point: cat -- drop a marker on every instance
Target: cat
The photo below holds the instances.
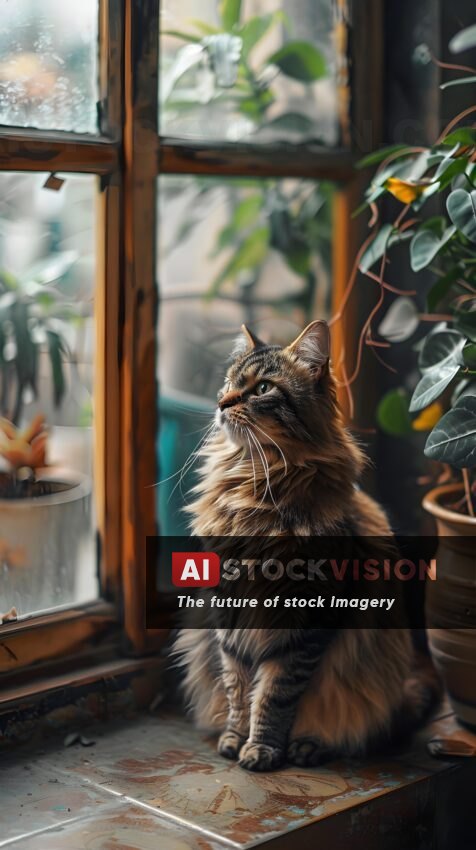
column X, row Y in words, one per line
column 281, row 463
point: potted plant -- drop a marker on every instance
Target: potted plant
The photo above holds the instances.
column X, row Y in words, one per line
column 444, row 398
column 44, row 515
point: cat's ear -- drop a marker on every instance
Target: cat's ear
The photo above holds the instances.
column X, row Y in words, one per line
column 246, row 342
column 313, row 346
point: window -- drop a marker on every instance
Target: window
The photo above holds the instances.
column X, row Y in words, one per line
column 140, row 197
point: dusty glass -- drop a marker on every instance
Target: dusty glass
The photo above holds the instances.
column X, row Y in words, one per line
column 255, row 70
column 230, row 251
column 48, row 64
column 47, row 275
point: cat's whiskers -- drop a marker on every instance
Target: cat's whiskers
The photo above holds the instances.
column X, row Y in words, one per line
column 252, row 463
column 191, row 460
column 264, row 461
column 268, row 437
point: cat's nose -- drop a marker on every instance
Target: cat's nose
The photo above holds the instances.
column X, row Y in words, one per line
column 229, row 400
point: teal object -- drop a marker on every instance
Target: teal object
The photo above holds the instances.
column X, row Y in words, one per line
column 183, row 420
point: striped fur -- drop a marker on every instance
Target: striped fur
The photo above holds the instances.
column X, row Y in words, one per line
column 282, row 463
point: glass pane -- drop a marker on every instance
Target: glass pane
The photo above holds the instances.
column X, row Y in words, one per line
column 48, row 64
column 255, row 70
column 234, row 251
column 47, row 273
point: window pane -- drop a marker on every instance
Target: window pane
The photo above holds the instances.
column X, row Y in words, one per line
column 234, row 251
column 48, row 64
column 256, row 71
column 47, row 273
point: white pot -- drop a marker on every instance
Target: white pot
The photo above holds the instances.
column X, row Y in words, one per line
column 42, row 544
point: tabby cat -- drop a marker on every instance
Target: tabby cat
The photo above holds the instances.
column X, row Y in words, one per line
column 282, row 463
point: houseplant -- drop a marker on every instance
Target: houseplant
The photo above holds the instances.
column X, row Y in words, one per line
column 229, row 73
column 33, row 317
column 444, row 399
column 44, row 515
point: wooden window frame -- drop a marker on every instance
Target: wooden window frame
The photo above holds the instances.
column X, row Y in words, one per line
column 127, row 158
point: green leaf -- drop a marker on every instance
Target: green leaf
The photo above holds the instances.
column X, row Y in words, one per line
column 425, row 245
column 401, row 320
column 432, row 384
column 294, row 122
column 465, row 318
column 230, row 12
column 298, row 257
column 463, row 40
column 461, row 81
column 463, row 135
column 441, row 348
column 392, row 414
column 184, row 36
column 450, row 168
column 253, row 31
column 299, row 60
column 249, row 256
column 441, row 288
column 453, row 439
column 55, row 351
column 376, row 249
column 461, row 206
column 469, row 355
column 247, row 211
column 380, row 155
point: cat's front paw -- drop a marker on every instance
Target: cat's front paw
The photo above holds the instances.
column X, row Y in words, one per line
column 307, row 752
column 230, row 744
column 260, row 756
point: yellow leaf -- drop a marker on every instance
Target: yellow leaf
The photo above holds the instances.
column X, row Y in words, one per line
column 405, row 191
column 428, row 417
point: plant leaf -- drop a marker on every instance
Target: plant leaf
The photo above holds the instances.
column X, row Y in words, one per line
column 453, row 439
column 463, row 40
column 441, row 348
column 461, row 206
column 392, row 414
column 469, row 355
column 401, row 320
column 253, row 31
column 248, row 256
column 427, row 419
column 376, row 249
column 432, row 384
column 230, row 12
column 379, row 156
column 406, row 191
column 184, row 36
column 55, row 351
column 463, row 135
column 425, row 245
column 441, row 288
column 461, row 81
column 300, row 61
column 247, row 211
column 295, row 122
column 465, row 318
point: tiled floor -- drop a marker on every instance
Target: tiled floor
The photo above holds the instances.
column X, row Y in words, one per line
column 155, row 783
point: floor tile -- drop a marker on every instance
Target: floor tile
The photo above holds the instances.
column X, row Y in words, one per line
column 116, row 827
column 34, row 797
column 177, row 773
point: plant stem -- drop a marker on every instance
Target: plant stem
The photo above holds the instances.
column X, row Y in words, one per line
column 467, row 492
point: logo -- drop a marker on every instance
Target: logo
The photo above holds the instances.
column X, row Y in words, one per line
column 195, row 569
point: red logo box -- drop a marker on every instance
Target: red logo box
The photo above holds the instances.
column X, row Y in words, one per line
column 195, row 569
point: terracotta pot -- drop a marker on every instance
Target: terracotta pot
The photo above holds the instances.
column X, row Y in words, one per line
column 451, row 602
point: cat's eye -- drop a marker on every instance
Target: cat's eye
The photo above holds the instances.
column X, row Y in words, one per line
column 263, row 387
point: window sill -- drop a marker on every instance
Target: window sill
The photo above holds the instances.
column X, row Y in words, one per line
column 155, row 781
